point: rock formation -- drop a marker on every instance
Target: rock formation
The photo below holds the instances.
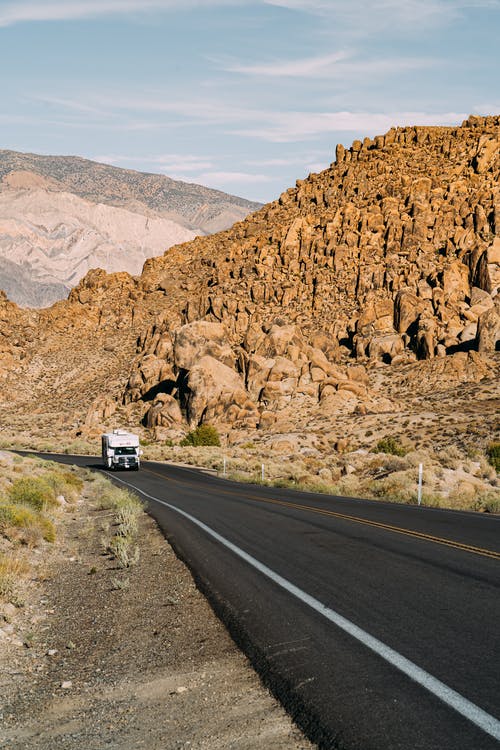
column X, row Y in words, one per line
column 387, row 259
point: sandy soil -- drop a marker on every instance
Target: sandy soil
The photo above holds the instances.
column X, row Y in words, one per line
column 102, row 657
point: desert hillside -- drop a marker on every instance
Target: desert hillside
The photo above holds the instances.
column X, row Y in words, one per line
column 61, row 216
column 362, row 302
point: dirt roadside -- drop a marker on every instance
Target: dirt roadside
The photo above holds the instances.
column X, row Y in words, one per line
column 103, row 657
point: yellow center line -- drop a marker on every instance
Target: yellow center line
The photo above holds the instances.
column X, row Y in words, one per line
column 387, row 527
column 377, row 524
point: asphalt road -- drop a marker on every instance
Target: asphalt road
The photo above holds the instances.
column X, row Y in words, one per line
column 377, row 625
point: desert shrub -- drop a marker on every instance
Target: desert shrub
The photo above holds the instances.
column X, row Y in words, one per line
column 450, row 458
column 12, row 569
column 205, row 434
column 25, row 523
column 126, row 509
column 395, row 488
column 493, row 453
column 390, row 445
column 64, row 483
column 32, row 491
column 126, row 517
column 123, row 550
column 488, row 502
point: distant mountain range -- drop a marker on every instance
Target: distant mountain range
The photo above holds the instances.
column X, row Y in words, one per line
column 62, row 215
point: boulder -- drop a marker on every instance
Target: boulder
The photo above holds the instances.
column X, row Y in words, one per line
column 198, row 339
column 212, row 390
column 164, row 412
column 488, row 329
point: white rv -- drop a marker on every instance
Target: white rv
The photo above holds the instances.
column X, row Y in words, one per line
column 120, row 450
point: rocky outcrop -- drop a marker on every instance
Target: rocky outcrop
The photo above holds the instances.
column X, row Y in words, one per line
column 389, row 256
column 273, row 369
column 387, row 261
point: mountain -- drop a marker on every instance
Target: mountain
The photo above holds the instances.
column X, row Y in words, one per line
column 363, row 296
column 62, row 215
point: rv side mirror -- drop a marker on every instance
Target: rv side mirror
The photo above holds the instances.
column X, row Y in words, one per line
column 109, row 453
column 140, row 451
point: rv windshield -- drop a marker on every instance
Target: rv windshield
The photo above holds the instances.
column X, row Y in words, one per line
column 124, row 451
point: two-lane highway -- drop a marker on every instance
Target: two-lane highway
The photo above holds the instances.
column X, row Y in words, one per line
column 377, row 625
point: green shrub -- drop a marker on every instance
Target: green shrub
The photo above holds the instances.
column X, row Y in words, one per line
column 64, row 483
column 20, row 518
column 205, row 434
column 390, row 445
column 34, row 492
column 488, row 502
column 493, row 453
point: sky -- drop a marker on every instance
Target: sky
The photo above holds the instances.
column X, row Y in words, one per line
column 245, row 96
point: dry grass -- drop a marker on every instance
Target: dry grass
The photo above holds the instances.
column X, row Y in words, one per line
column 452, row 478
column 33, row 496
column 13, row 568
column 119, row 536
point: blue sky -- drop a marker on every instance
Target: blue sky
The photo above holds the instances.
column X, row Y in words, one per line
column 241, row 95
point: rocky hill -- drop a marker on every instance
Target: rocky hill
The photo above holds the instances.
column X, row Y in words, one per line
column 62, row 215
column 365, row 292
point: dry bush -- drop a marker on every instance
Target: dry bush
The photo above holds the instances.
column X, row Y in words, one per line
column 64, row 482
column 24, row 524
column 120, row 536
column 451, row 458
column 488, row 501
column 34, row 492
column 12, row 570
column 124, row 551
column 397, row 487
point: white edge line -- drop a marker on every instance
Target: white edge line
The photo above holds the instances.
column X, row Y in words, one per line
column 461, row 705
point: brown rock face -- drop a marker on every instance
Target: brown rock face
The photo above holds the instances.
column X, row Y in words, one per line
column 390, row 256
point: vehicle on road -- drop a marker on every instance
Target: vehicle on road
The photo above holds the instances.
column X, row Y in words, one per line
column 120, row 450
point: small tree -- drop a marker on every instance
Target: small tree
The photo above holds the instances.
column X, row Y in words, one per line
column 493, row 453
column 390, row 445
column 205, row 434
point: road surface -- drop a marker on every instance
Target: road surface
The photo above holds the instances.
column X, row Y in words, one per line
column 377, row 625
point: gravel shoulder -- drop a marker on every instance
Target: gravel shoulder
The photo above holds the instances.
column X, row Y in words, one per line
column 106, row 657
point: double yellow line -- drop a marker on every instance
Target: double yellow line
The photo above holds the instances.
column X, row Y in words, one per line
column 385, row 526
column 377, row 524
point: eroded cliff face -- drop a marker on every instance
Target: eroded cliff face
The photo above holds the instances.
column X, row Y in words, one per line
column 389, row 258
column 392, row 255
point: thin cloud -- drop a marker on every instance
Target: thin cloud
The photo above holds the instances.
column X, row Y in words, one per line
column 168, row 163
column 302, row 126
column 275, row 126
column 340, row 65
column 211, row 178
column 311, row 66
column 389, row 11
column 71, row 10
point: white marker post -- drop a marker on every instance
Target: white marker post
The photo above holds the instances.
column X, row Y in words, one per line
column 262, row 472
column 420, row 477
column 224, row 467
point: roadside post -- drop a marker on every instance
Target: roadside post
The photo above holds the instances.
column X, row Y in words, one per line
column 420, row 477
column 224, row 467
column 263, row 472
